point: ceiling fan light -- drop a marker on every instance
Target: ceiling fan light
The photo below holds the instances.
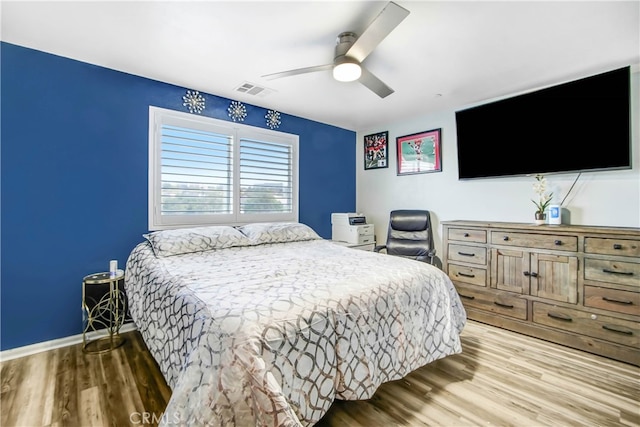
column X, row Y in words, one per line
column 347, row 72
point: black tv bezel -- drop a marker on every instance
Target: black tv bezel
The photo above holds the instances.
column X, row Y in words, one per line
column 547, row 171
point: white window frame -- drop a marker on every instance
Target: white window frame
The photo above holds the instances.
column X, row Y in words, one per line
column 160, row 116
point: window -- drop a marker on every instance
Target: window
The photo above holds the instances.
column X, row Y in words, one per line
column 209, row 171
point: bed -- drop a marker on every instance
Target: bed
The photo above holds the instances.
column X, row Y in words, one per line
column 268, row 324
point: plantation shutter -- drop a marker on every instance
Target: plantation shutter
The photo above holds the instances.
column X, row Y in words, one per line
column 196, row 172
column 205, row 171
column 266, row 177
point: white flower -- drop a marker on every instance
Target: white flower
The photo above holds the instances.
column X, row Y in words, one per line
column 540, row 185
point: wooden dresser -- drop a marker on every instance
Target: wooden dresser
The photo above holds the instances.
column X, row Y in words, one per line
column 574, row 285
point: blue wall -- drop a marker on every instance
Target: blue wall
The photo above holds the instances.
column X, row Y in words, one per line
column 74, row 180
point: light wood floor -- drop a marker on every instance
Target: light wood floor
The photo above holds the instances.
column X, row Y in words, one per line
column 500, row 379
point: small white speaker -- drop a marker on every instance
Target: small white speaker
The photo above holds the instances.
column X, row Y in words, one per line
column 555, row 214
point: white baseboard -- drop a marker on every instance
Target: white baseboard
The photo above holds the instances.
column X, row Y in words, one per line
column 40, row 347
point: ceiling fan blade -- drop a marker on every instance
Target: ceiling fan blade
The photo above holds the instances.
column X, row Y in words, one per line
column 375, row 84
column 380, row 27
column 298, row 71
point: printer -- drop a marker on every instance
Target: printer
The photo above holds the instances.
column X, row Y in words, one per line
column 351, row 228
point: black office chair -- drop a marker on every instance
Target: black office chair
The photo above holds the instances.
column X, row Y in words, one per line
column 410, row 235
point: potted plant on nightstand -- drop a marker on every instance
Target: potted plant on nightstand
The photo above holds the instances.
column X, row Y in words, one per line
column 544, row 199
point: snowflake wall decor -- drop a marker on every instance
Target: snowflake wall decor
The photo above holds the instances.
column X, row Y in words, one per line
column 193, row 101
column 273, row 119
column 237, row 111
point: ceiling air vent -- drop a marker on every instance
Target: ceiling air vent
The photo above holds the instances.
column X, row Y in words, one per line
column 252, row 89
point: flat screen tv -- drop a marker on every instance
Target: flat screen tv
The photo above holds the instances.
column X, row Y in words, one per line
column 583, row 125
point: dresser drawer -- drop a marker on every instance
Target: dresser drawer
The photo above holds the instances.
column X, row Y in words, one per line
column 582, row 322
column 468, row 235
column 471, row 254
column 504, row 303
column 615, row 272
column 535, row 241
column 472, row 275
column 626, row 302
column 622, row 247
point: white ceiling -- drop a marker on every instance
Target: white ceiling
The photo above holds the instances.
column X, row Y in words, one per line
column 445, row 54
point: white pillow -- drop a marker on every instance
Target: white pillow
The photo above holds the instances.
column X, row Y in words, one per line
column 196, row 239
column 278, row 232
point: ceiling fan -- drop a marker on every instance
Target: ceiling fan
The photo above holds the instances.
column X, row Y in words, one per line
column 351, row 50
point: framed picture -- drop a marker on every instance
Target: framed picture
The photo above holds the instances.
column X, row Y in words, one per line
column 376, row 150
column 419, row 152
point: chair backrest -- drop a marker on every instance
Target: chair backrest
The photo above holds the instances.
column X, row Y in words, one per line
column 410, row 235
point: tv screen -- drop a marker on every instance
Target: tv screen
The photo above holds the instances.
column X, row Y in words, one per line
column 577, row 126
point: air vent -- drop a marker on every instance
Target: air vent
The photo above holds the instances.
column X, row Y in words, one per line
column 252, row 89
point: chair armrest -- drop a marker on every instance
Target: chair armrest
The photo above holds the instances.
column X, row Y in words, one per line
column 379, row 248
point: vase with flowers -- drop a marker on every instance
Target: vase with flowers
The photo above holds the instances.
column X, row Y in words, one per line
column 544, row 199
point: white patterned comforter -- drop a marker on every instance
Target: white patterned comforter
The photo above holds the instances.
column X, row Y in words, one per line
column 272, row 334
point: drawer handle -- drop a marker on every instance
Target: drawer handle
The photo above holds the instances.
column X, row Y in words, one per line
column 617, row 246
column 466, row 254
column 532, row 274
column 467, row 296
column 558, row 242
column 560, row 316
column 618, row 301
column 466, row 275
column 505, row 238
column 616, row 329
column 500, row 304
column 625, row 273
column 466, row 234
